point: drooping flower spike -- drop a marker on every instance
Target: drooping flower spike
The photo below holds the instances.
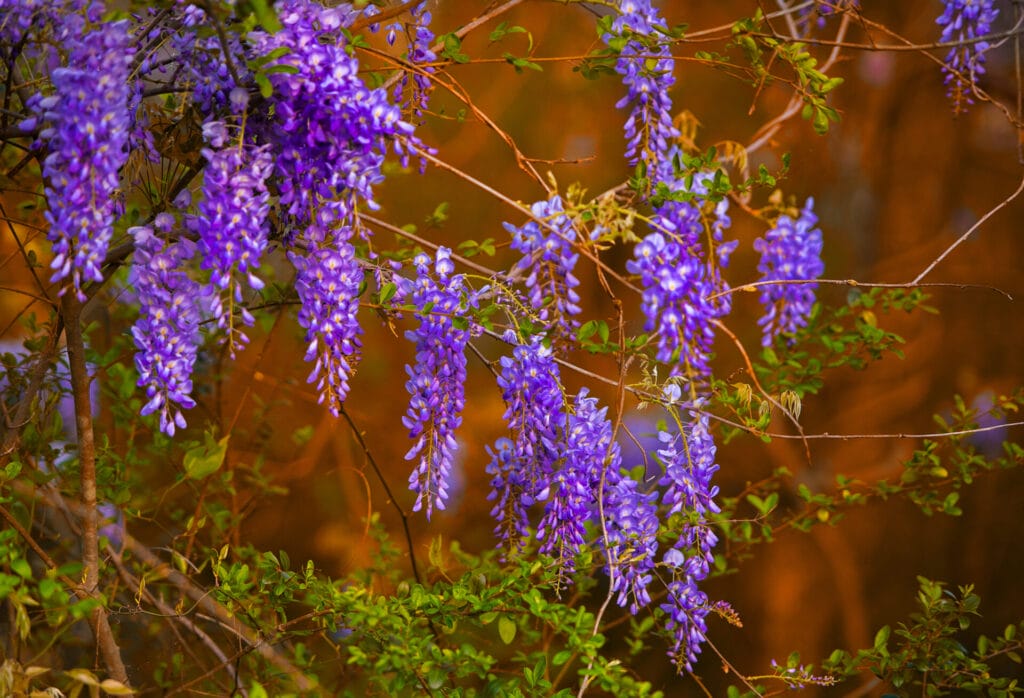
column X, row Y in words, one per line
column 965, row 22
column 790, row 251
column 437, row 379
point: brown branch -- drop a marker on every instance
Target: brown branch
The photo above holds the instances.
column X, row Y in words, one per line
column 105, row 641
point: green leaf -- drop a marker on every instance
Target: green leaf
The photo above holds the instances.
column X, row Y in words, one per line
column 206, row 459
column 265, row 15
column 263, row 82
column 507, row 629
column 882, row 637
column 387, row 292
column 21, row 568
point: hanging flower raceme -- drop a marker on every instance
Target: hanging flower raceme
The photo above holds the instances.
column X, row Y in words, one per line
column 201, row 56
column 549, row 259
column 329, row 130
column 421, row 55
column 677, row 287
column 87, row 137
column 689, row 462
column 531, row 387
column 562, row 529
column 327, row 281
column 437, row 379
column 232, row 223
column 167, row 331
column 646, row 66
column 965, row 22
column 790, row 251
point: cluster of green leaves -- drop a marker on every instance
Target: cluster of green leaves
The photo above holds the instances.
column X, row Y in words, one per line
column 763, row 51
column 925, row 657
column 932, row 478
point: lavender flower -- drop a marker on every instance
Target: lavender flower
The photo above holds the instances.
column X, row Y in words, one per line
column 631, row 521
column 420, row 53
column 531, row 387
column 437, row 379
column 549, row 258
column 232, row 223
column 675, row 301
column 965, row 21
column 328, row 283
column 789, row 251
column 18, row 16
column 200, row 54
column 167, row 331
column 87, row 136
column 646, row 66
column 689, row 462
column 330, row 130
column 512, row 492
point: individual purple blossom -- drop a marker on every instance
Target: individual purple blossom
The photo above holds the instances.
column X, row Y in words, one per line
column 437, row 378
column 689, row 465
column 791, row 251
column 232, row 223
column 646, row 66
column 965, row 22
column 549, row 259
column 87, row 136
column 167, row 331
column 677, row 286
column 327, row 281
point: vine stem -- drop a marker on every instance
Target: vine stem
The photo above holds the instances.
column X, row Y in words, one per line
column 970, row 231
column 105, row 641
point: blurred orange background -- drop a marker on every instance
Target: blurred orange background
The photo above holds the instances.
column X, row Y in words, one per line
column 895, row 184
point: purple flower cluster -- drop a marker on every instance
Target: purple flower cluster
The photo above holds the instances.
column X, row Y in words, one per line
column 689, row 461
column 437, row 379
column 327, row 282
column 87, row 134
column 965, row 21
column 548, row 256
column 19, row 15
column 330, row 131
column 232, row 222
column 200, row 54
column 419, row 53
column 522, row 469
column 631, row 522
column 646, row 66
column 167, row 331
column 588, row 444
column 790, row 251
column 675, row 301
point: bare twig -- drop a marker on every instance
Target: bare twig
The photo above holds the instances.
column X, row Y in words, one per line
column 970, row 231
